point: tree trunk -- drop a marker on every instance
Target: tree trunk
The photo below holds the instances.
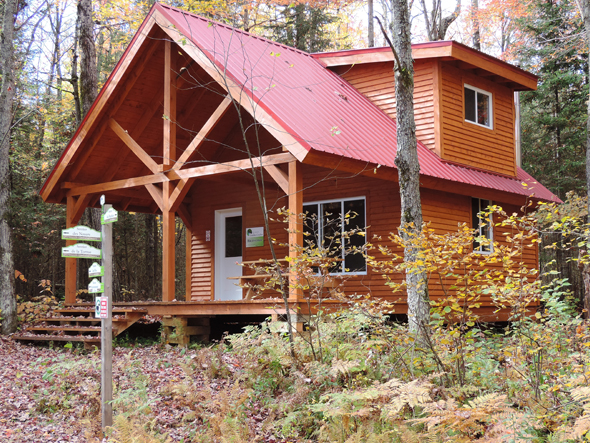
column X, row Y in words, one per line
column 7, row 296
column 586, row 15
column 371, row 27
column 408, row 167
column 475, row 22
column 88, row 74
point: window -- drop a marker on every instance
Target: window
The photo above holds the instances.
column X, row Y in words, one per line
column 478, row 106
column 338, row 227
column 482, row 225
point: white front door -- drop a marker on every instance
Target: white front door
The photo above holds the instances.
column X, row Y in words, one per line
column 228, row 253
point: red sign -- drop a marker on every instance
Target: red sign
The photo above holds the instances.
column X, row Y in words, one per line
column 104, row 307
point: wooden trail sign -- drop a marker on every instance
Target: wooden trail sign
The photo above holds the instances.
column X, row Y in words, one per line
column 80, row 233
column 81, row 250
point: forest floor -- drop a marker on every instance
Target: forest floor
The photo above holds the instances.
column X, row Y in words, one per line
column 51, row 394
column 358, row 377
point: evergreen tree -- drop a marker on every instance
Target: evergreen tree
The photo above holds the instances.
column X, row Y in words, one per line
column 554, row 117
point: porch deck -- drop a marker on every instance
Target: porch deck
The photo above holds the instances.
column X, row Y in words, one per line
column 211, row 308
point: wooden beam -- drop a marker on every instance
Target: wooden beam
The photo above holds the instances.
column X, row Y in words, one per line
column 177, row 196
column 204, row 132
column 80, row 207
column 169, row 116
column 132, row 144
column 279, row 176
column 168, row 246
column 221, row 168
column 156, row 194
column 237, row 91
column 185, row 216
column 125, row 203
column 71, row 263
column 99, row 104
column 113, row 108
column 295, row 225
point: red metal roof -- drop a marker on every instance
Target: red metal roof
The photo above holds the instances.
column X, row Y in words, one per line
column 320, row 109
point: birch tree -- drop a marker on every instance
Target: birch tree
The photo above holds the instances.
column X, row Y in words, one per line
column 7, row 296
column 408, row 167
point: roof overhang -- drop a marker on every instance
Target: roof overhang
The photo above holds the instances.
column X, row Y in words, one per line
column 444, row 50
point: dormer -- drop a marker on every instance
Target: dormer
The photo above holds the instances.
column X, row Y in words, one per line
column 463, row 99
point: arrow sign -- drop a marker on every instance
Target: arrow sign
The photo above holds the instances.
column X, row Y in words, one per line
column 95, row 270
column 95, row 287
column 81, row 250
column 110, row 216
column 80, row 233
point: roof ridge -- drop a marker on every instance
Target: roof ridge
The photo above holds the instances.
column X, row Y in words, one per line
column 234, row 29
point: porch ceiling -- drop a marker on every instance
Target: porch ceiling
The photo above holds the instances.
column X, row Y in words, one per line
column 134, row 113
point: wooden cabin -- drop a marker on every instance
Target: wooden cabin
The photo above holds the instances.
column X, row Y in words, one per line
column 195, row 109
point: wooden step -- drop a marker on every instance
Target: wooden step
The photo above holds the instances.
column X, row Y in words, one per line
column 88, row 341
column 79, row 329
column 86, row 311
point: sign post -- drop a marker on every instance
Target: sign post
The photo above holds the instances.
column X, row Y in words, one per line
column 106, row 328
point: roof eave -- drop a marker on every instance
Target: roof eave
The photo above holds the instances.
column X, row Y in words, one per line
column 440, row 49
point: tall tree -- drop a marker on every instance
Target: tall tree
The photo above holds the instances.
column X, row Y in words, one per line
column 408, row 167
column 88, row 73
column 436, row 24
column 554, row 117
column 7, row 295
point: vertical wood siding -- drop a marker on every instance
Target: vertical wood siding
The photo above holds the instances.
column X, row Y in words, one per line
column 375, row 81
column 468, row 143
column 443, row 210
column 458, row 141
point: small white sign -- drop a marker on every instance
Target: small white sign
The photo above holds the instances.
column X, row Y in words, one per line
column 95, row 270
column 110, row 216
column 81, row 250
column 254, row 237
column 95, row 287
column 104, row 307
column 102, row 200
column 80, row 233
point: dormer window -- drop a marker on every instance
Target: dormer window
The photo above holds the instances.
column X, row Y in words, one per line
column 478, row 106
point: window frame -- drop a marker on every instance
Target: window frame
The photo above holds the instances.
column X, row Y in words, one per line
column 490, row 105
column 477, row 247
column 320, row 227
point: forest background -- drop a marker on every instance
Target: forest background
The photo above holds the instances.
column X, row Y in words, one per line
column 544, row 37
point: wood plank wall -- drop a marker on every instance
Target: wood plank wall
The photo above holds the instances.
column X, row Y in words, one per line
column 470, row 144
column 459, row 141
column 375, row 81
column 443, row 210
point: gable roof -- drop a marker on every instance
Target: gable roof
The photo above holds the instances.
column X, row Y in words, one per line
column 304, row 105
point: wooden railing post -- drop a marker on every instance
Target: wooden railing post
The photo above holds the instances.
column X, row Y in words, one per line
column 295, row 225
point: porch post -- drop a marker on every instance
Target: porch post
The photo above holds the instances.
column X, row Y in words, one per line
column 169, row 154
column 188, row 263
column 295, row 225
column 71, row 263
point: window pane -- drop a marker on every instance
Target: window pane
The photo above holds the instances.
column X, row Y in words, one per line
column 483, row 109
column 355, row 222
column 469, row 104
column 332, row 232
column 310, row 226
column 233, row 236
